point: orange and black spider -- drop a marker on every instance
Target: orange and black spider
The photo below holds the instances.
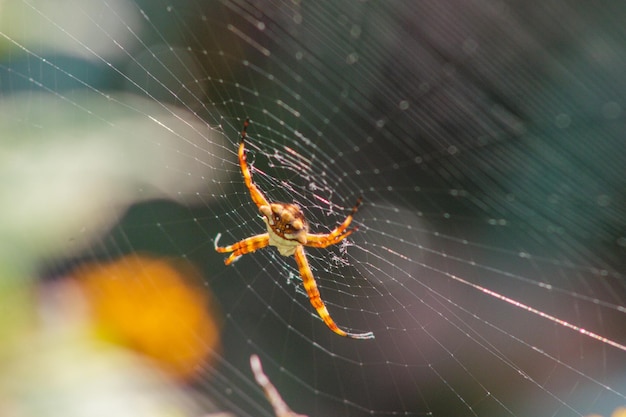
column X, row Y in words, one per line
column 288, row 231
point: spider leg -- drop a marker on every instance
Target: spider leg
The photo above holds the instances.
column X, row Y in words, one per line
column 242, row 247
column 256, row 194
column 316, row 300
column 319, row 240
column 324, row 240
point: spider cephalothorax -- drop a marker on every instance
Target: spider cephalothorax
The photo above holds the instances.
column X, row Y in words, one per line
column 288, row 231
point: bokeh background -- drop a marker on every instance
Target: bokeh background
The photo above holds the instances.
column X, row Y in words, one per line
column 486, row 137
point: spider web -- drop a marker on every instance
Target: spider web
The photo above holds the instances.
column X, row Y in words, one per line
column 486, row 139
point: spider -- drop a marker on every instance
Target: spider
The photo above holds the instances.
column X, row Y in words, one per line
column 288, row 231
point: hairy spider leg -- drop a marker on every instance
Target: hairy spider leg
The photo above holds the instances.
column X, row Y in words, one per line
column 243, row 246
column 322, row 240
column 316, row 300
column 256, row 194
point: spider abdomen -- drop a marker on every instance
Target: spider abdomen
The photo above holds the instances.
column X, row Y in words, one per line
column 286, row 226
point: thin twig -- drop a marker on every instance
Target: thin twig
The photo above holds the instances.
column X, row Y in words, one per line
column 281, row 409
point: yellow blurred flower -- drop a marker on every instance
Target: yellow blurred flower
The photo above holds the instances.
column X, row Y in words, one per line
column 155, row 307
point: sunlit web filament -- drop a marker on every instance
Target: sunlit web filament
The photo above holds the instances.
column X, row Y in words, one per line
column 541, row 314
